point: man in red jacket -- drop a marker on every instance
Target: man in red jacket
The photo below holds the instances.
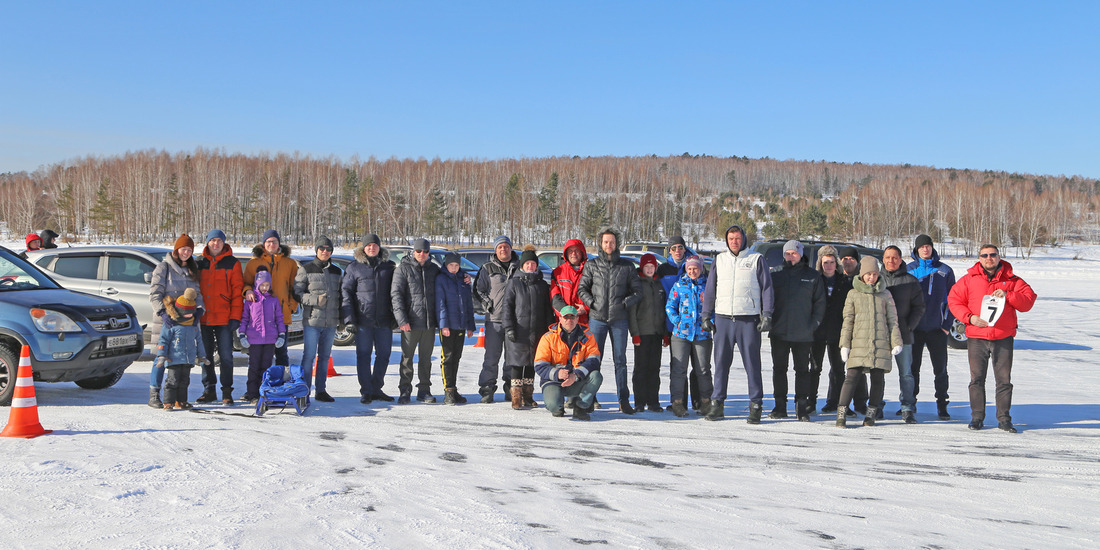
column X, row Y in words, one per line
column 221, row 281
column 987, row 299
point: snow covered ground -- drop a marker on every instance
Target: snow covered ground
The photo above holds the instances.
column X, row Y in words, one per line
column 117, row 474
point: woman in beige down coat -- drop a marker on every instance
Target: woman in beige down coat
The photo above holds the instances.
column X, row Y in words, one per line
column 869, row 338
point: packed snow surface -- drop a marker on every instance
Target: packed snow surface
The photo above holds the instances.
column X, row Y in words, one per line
column 117, row 474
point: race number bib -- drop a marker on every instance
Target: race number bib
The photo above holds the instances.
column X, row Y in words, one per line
column 992, row 308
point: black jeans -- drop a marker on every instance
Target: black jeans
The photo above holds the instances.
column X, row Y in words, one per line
column 936, row 342
column 803, row 378
column 836, row 376
column 221, row 338
column 878, row 386
column 980, row 352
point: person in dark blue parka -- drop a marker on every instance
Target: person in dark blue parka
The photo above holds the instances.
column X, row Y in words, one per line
column 455, row 305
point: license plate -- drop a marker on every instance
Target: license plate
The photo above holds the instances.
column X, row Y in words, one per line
column 121, row 341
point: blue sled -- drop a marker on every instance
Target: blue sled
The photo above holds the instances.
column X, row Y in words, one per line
column 278, row 390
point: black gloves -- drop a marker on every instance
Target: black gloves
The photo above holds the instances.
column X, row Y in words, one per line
column 765, row 323
column 708, row 325
column 512, row 336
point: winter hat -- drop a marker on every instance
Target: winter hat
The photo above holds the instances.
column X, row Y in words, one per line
column 183, row 241
column 31, row 237
column 503, row 239
column 846, row 251
column 528, row 256
column 322, row 241
column 215, row 234
column 371, row 238
column 269, row 234
column 262, row 276
column 793, row 245
column 567, row 310
column 676, row 240
column 648, row 259
column 421, row 244
column 868, row 265
column 923, row 240
column 694, row 261
column 186, row 302
column 451, row 258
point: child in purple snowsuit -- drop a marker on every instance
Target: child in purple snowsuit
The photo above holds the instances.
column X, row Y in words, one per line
column 262, row 330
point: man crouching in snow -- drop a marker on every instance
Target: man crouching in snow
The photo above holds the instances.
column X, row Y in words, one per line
column 568, row 362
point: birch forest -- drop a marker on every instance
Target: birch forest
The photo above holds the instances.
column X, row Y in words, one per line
column 153, row 196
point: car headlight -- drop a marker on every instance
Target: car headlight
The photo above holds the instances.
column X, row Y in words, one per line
column 48, row 320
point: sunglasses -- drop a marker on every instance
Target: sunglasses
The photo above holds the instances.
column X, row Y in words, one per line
column 568, row 316
column 989, row 255
column 324, row 249
column 421, row 251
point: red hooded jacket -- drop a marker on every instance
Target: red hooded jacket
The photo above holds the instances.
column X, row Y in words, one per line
column 565, row 280
column 221, row 282
column 966, row 296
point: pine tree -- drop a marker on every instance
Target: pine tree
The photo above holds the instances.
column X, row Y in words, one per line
column 351, row 215
column 105, row 211
column 438, row 217
column 595, row 219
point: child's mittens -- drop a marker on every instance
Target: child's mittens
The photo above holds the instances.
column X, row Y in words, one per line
column 281, row 341
column 160, row 362
column 244, row 340
column 202, row 361
column 844, row 354
column 896, row 350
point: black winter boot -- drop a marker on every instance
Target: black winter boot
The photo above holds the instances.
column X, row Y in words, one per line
column 624, row 406
column 679, row 409
column 908, row 417
column 487, row 393
column 941, row 408
column 570, row 402
column 755, row 410
column 449, row 396
column 154, row 398
column 717, row 409
column 872, row 414
column 208, row 396
column 780, row 410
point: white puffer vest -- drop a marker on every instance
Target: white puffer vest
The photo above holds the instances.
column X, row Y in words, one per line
column 737, row 289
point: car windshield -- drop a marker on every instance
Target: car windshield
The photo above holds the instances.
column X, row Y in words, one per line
column 17, row 274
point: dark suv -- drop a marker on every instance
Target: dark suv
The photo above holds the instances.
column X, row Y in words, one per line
column 73, row 336
column 773, row 250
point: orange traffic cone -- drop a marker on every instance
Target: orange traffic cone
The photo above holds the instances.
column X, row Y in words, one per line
column 331, row 371
column 23, row 420
column 480, row 338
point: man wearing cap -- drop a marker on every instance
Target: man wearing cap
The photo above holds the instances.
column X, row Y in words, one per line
column 275, row 256
column 737, row 307
column 413, row 297
column 489, row 286
column 799, row 310
column 610, row 285
column 568, row 363
column 317, row 288
column 936, row 280
column 367, row 307
column 669, row 273
column 221, row 282
column 990, row 334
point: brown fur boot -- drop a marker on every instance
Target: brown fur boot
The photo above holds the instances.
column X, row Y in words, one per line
column 517, row 394
column 529, row 393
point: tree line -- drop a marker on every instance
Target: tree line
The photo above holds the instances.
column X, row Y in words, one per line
column 151, row 196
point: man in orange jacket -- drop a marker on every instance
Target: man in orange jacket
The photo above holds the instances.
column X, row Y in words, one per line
column 222, row 283
column 568, row 362
column 988, row 286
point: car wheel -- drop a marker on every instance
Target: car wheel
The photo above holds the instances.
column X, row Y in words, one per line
column 101, row 382
column 956, row 337
column 344, row 337
column 9, row 368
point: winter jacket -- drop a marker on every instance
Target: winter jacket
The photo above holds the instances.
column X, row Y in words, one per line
column 180, row 344
column 565, row 281
column 799, row 302
column 836, row 293
column 908, row 299
column 317, row 288
column 454, row 301
column 490, row 283
column 870, row 328
column 609, row 285
column 169, row 279
column 413, row 293
column 283, row 270
column 365, row 290
column 647, row 317
column 936, row 280
column 222, row 283
column 685, row 308
column 262, row 320
column 966, row 300
column 558, row 349
column 739, row 283
column 669, row 274
column 527, row 311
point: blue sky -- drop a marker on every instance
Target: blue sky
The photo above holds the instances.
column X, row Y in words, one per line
column 983, row 85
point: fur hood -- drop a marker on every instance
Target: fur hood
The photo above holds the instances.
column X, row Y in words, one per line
column 361, row 257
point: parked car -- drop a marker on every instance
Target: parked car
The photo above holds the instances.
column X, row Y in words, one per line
column 73, row 336
column 478, row 257
column 120, row 272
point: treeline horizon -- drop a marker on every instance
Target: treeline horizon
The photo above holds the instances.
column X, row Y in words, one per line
column 153, row 196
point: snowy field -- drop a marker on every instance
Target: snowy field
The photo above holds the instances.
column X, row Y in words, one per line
column 117, row 474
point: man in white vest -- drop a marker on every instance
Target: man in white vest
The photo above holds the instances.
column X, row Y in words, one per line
column 737, row 307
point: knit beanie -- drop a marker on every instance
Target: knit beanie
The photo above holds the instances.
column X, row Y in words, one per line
column 676, row 240
column 528, row 256
column 186, row 302
column 694, row 261
column 371, row 238
column 923, row 240
column 31, row 238
column 451, row 258
column 215, row 234
column 183, row 241
column 421, row 244
column 868, row 265
column 648, row 259
column 269, row 234
column 503, row 239
column 322, row 241
column 793, row 245
column 847, row 251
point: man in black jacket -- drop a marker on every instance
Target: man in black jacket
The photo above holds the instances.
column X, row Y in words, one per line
column 489, row 286
column 608, row 286
column 366, row 306
column 909, row 300
column 413, row 297
column 799, row 309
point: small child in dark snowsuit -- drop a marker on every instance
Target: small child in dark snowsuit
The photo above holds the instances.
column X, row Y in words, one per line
column 179, row 347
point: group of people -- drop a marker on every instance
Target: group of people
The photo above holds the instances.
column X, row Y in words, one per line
column 865, row 316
